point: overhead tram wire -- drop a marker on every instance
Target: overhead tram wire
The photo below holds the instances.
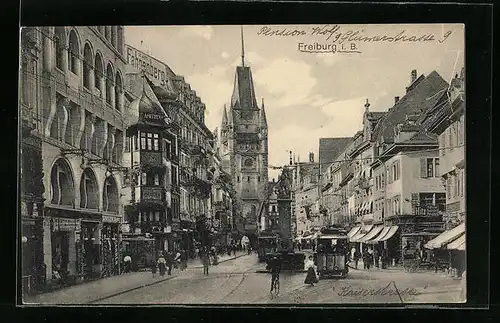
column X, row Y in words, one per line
column 351, row 160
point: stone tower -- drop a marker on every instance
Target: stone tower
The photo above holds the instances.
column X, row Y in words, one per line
column 244, row 147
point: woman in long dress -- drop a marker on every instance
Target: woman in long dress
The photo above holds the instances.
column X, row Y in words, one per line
column 311, row 278
column 162, row 265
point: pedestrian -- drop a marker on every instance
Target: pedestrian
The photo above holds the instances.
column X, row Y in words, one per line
column 376, row 257
column 177, row 259
column 170, row 262
column 162, row 264
column 436, row 263
column 311, row 278
column 184, row 258
column 356, row 258
column 369, row 259
column 206, row 261
column 153, row 268
column 127, row 263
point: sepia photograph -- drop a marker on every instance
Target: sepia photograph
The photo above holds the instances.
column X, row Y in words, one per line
column 242, row 164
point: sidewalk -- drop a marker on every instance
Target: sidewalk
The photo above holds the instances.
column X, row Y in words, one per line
column 93, row 291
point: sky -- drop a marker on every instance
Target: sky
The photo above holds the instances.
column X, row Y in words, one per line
column 308, row 95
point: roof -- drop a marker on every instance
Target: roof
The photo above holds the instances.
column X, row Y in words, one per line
column 375, row 115
column 420, row 97
column 243, row 93
column 331, row 148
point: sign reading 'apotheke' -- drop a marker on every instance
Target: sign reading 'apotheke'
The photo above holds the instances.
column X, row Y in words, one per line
column 155, row 69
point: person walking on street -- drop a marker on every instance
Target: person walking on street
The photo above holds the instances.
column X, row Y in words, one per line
column 184, row 259
column 162, row 264
column 206, row 260
column 127, row 264
column 376, row 257
column 170, row 262
column 153, row 267
column 177, row 259
column 356, row 258
column 311, row 278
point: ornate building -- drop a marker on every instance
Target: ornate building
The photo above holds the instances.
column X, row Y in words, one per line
column 245, row 148
column 82, row 127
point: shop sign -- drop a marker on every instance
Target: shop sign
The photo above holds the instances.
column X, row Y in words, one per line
column 155, row 69
column 110, row 219
column 66, row 224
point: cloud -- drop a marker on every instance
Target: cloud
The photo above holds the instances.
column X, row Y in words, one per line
column 252, row 59
column 214, row 88
column 198, row 31
column 289, row 82
column 346, row 118
column 328, row 58
column 224, row 55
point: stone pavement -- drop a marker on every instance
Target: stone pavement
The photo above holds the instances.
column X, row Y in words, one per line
column 110, row 286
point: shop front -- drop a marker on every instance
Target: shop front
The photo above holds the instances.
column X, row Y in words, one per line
column 33, row 267
column 110, row 245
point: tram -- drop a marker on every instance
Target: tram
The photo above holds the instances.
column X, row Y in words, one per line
column 331, row 256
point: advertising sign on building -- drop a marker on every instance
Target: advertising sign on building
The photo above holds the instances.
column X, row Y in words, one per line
column 156, row 70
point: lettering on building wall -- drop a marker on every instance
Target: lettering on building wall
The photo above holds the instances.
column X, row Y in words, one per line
column 152, row 67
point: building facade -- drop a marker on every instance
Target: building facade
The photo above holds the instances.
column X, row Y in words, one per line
column 449, row 126
column 83, row 130
column 305, row 195
column 245, row 149
column 30, row 161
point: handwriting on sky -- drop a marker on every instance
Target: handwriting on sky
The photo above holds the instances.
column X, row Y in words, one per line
column 338, row 34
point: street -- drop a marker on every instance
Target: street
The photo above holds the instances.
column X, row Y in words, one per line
column 237, row 282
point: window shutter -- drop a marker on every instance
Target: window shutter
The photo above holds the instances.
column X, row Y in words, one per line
column 423, row 168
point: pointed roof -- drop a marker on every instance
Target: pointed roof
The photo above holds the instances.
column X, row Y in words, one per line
column 243, row 93
column 331, row 148
column 263, row 119
column 422, row 95
column 224, row 118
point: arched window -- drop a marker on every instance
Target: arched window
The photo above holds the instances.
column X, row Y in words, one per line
column 113, row 36
column 118, row 91
column 110, row 199
column 109, row 83
column 119, row 39
column 89, row 191
column 107, row 32
column 60, row 46
column 62, row 184
column 60, row 121
column 87, row 65
column 74, row 52
column 98, row 73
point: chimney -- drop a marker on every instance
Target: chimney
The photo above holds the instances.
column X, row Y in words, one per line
column 413, row 76
column 311, row 157
column 396, row 99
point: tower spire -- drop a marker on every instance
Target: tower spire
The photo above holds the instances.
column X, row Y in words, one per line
column 242, row 49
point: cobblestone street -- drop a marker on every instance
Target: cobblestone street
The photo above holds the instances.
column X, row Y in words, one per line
column 237, row 281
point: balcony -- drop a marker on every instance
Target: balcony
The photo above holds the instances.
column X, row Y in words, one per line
column 365, row 183
column 152, row 194
column 151, row 158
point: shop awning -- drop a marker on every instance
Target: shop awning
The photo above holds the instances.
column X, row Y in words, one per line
column 331, row 236
column 372, row 234
column 392, row 231
column 446, row 237
column 138, row 238
column 457, row 244
column 364, row 231
column 353, row 232
column 382, row 233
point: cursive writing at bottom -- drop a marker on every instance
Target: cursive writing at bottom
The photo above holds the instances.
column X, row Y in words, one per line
column 349, row 291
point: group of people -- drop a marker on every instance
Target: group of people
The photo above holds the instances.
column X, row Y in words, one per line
column 166, row 261
column 370, row 257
